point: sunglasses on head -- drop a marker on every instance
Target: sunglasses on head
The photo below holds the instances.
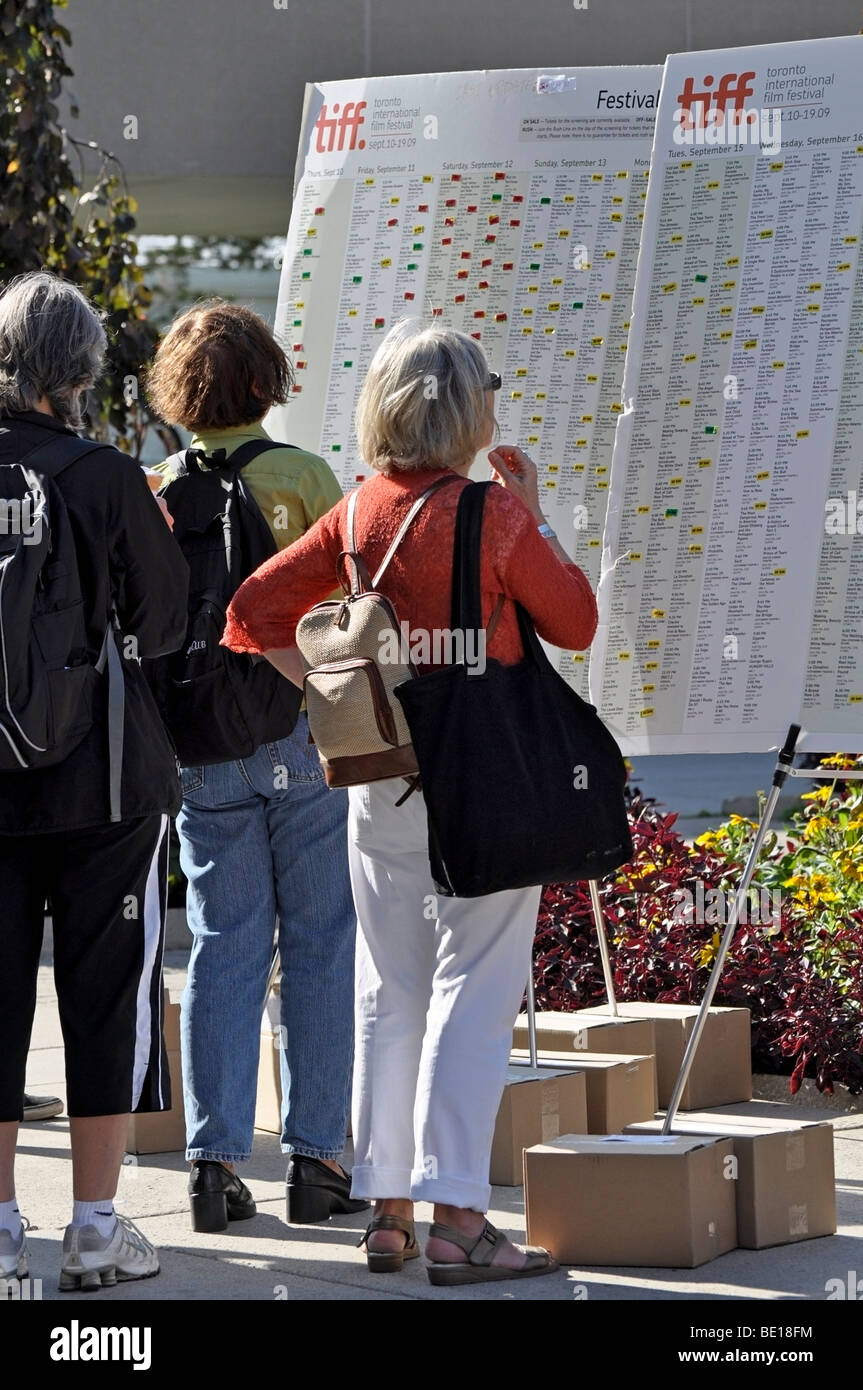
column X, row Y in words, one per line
column 493, row 383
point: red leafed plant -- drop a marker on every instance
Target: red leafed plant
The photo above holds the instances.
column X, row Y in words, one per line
column 802, row 983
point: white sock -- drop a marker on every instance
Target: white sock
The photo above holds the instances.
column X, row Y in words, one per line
column 10, row 1217
column 98, row 1214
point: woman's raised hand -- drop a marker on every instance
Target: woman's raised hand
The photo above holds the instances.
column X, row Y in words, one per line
column 515, row 471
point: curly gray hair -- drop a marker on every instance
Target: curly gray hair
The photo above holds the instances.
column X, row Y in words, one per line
column 51, row 344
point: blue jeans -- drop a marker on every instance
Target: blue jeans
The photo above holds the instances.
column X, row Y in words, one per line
column 261, row 839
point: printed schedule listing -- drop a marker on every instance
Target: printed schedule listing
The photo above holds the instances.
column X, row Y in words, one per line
column 508, row 205
column 731, row 597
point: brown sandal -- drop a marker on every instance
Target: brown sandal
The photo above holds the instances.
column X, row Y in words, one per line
column 389, row 1261
column 480, row 1251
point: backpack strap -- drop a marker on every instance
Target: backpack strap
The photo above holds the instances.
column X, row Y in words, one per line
column 352, row 508
column 403, row 529
column 72, row 447
column 220, row 461
column 110, row 656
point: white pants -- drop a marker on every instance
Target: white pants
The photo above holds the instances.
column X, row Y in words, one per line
column 438, row 986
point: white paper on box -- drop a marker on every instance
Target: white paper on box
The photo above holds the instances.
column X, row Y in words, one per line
column 637, row 1143
column 641, row 1139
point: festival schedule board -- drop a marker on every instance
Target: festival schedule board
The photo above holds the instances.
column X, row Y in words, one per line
column 504, row 204
column 731, row 598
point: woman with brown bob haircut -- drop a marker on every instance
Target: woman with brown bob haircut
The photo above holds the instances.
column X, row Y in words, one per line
column 261, row 838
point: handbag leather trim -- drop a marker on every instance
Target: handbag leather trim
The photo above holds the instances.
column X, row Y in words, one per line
column 371, row 767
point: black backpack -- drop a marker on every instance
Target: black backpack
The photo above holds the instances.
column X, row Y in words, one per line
column 219, row 705
column 48, row 682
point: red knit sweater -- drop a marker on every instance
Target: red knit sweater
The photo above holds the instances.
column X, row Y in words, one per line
column 516, row 561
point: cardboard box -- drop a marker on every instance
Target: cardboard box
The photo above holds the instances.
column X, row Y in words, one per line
column 588, row 1032
column 165, row 1130
column 620, row 1089
column 171, row 1020
column 722, row 1071
column 536, row 1106
column 268, row 1103
column 626, row 1200
column 785, row 1180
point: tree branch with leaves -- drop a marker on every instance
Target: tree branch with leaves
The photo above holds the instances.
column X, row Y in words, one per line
column 48, row 221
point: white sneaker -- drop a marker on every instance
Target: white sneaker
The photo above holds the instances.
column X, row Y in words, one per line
column 93, row 1261
column 13, row 1255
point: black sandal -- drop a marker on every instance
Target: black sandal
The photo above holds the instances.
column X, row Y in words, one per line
column 480, row 1251
column 390, row 1261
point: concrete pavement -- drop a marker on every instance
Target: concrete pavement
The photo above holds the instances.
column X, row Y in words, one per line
column 264, row 1259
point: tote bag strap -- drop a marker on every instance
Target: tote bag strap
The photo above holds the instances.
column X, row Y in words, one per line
column 466, row 603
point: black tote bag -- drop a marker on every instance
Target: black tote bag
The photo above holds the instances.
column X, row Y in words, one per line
column 522, row 781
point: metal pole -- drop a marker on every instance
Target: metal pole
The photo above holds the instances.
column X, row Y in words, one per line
column 531, row 1016
column 783, row 762
column 603, row 946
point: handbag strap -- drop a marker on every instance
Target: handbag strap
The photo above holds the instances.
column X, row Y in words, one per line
column 466, row 604
column 418, row 504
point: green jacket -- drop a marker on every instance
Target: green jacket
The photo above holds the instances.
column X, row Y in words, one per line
column 292, row 488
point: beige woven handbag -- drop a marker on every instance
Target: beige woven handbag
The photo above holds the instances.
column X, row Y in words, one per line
column 347, row 646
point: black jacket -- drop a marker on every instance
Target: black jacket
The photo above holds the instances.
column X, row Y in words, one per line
column 125, row 552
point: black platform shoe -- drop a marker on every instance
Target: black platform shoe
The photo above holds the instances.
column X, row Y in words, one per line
column 315, row 1192
column 217, row 1196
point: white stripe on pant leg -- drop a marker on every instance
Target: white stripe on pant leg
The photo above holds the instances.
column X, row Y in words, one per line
column 152, row 959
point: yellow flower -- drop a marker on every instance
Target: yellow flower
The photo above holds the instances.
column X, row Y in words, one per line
column 708, row 839
column 818, row 881
column 810, row 901
column 839, row 760
column 734, row 819
column 813, row 890
column 707, row 954
column 820, row 794
column 642, row 870
column 850, row 868
column 816, row 825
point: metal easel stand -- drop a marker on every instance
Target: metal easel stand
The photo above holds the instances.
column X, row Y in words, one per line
column 533, row 1060
column 784, row 768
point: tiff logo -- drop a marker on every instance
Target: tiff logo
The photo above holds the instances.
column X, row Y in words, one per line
column 733, row 88
column 350, row 118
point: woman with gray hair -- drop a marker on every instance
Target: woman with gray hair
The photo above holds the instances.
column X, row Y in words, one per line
column 438, row 982
column 98, row 583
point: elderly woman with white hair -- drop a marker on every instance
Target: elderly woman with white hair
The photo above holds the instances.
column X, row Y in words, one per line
column 83, row 813
column 438, row 982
